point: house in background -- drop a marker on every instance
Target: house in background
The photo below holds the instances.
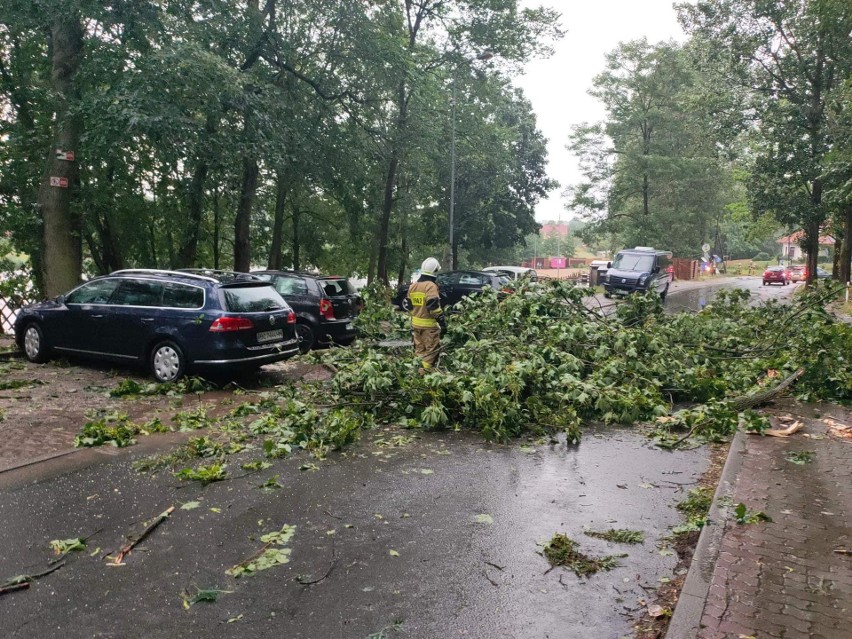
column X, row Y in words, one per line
column 791, row 250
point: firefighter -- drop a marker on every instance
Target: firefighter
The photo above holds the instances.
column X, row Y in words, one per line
column 423, row 303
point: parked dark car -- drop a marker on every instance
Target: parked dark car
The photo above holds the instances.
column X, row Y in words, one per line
column 326, row 306
column 776, row 275
column 170, row 321
column 639, row 269
column 454, row 285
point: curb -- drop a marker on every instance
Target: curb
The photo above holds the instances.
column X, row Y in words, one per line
column 686, row 620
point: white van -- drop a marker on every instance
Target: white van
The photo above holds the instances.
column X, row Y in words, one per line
column 513, row 272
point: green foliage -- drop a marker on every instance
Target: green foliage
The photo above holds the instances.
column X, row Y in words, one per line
column 695, row 508
column 131, row 388
column 192, row 419
column 203, row 474
column 539, row 360
column 562, row 551
column 65, row 546
column 800, row 457
column 113, row 429
column 274, row 553
column 743, row 515
column 618, row 535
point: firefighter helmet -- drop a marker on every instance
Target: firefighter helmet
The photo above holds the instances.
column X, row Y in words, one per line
column 430, row 266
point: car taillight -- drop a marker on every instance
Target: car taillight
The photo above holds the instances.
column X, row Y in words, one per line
column 291, row 317
column 228, row 324
column 326, row 309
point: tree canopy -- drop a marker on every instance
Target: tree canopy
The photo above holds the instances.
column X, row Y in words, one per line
column 245, row 133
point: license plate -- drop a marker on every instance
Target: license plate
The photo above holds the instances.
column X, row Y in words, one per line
column 270, row 336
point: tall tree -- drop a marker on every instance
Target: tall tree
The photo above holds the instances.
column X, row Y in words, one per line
column 791, row 55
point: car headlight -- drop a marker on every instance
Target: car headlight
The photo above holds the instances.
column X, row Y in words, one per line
column 643, row 278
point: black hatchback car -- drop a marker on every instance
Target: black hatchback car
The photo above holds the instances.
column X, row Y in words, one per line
column 326, row 306
column 168, row 320
column 454, row 285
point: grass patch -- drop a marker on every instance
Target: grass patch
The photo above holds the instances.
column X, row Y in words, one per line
column 562, row 551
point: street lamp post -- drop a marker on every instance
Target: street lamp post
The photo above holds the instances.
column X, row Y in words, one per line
column 486, row 55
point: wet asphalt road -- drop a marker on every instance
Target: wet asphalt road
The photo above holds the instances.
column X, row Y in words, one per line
column 464, row 517
column 438, row 538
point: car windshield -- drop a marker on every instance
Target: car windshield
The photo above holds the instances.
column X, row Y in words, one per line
column 775, row 269
column 252, row 299
column 337, row 287
column 633, row 262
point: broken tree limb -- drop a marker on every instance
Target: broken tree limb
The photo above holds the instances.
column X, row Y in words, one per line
column 125, row 550
column 795, row 427
column 761, row 397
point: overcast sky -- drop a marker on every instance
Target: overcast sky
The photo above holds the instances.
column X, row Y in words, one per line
column 557, row 86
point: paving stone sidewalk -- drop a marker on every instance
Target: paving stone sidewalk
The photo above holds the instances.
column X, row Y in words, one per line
column 782, row 578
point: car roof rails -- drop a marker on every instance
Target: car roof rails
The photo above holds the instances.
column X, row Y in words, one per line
column 218, row 275
column 157, row 271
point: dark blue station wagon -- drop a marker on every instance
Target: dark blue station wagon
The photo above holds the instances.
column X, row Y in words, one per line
column 170, row 321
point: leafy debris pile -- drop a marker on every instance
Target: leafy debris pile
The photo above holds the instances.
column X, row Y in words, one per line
column 561, row 550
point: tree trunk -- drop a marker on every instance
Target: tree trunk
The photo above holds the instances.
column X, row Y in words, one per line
column 189, row 247
column 296, row 246
column 845, row 269
column 403, row 261
column 62, row 245
column 812, row 249
column 275, row 259
column 216, row 228
column 384, row 222
column 242, row 223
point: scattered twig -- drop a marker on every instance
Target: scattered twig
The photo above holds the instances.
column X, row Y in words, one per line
column 125, row 550
column 23, row 581
column 332, row 516
column 843, row 551
column 488, row 563
column 490, row 580
column 14, row 587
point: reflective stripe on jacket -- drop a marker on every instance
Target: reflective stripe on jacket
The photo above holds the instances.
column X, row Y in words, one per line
column 425, row 303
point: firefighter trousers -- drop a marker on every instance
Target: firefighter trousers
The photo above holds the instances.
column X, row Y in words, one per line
column 427, row 345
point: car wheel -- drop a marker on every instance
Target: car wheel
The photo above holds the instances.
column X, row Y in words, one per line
column 664, row 294
column 167, row 362
column 608, row 295
column 35, row 346
column 764, row 282
column 306, row 337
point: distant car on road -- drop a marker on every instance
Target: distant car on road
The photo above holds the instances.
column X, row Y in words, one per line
column 170, row 321
column 798, row 273
column 454, row 285
column 639, row 269
column 775, row 275
column 822, row 274
column 326, row 306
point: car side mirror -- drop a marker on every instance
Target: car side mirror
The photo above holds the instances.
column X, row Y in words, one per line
column 609, row 264
column 656, row 269
column 60, row 299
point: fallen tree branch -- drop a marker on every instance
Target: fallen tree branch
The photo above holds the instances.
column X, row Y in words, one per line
column 125, row 550
column 761, row 397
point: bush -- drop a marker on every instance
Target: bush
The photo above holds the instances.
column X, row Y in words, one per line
column 761, row 257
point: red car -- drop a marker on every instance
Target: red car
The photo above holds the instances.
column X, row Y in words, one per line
column 776, row 275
